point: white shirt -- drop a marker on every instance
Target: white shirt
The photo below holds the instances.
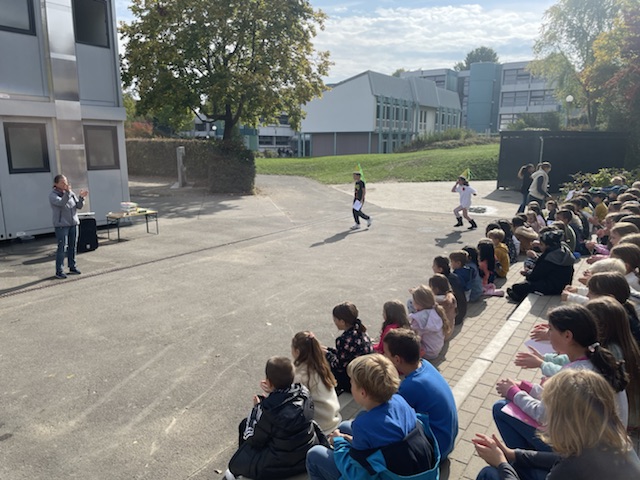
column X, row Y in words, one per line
column 465, row 192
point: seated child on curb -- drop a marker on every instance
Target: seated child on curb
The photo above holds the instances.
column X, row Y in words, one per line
column 441, row 288
column 279, row 431
column 459, row 260
column 487, row 263
column 353, row 342
column 423, row 387
column 476, row 282
column 313, row 371
column 441, row 265
column 501, row 252
column 394, row 315
column 428, row 320
column 386, row 439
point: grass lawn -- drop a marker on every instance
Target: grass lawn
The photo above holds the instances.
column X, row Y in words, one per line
column 423, row 166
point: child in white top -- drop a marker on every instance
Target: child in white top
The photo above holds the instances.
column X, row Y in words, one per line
column 313, row 371
column 465, row 191
column 428, row 320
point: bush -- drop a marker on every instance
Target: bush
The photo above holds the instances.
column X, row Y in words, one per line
column 224, row 167
column 600, row 179
column 452, row 138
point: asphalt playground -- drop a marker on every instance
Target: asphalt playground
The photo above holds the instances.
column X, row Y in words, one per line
column 143, row 366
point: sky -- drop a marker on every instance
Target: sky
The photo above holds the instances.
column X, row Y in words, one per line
column 385, row 35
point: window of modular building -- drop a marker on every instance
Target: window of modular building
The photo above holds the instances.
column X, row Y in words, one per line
column 91, row 21
column 265, row 140
column 283, row 141
column 26, row 147
column 17, row 16
column 101, row 144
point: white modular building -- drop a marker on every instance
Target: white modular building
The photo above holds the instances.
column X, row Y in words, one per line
column 375, row 113
column 61, row 109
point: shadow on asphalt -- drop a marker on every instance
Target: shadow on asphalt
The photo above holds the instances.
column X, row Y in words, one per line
column 506, row 196
column 183, row 203
column 336, row 238
column 449, row 238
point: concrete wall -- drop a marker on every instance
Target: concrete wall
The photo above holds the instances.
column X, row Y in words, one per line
column 329, row 144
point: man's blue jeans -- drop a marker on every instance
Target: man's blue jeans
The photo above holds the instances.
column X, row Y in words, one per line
column 66, row 236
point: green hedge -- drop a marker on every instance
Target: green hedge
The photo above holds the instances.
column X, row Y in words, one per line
column 224, row 167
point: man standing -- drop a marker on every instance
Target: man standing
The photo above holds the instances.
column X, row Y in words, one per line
column 538, row 190
column 64, row 203
column 358, row 202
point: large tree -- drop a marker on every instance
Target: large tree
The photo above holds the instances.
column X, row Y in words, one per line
column 477, row 55
column 232, row 60
column 565, row 49
column 618, row 68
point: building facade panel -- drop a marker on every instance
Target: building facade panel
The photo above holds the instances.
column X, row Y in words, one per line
column 44, row 119
column 349, row 106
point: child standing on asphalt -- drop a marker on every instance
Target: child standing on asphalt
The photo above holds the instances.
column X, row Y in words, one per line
column 465, row 191
column 358, row 202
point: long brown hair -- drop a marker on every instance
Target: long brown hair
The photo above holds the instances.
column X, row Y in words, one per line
column 310, row 354
column 394, row 311
column 613, row 329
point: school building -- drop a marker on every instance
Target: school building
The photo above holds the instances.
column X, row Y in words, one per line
column 494, row 95
column 375, row 113
column 61, row 110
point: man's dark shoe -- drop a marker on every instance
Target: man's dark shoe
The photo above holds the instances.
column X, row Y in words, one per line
column 74, row 271
column 61, row 275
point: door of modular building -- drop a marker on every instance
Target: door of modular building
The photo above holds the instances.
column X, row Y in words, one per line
column 26, row 160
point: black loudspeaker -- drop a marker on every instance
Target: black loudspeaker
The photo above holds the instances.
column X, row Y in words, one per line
column 88, row 236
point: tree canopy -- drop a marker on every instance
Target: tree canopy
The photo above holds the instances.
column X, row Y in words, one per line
column 236, row 61
column 565, row 49
column 617, row 66
column 477, row 55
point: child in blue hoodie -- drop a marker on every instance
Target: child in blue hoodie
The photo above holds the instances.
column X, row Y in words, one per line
column 459, row 260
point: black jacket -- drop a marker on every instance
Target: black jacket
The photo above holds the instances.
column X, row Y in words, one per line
column 280, row 430
column 553, row 271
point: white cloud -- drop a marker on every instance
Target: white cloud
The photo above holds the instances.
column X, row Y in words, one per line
column 386, row 35
column 413, row 38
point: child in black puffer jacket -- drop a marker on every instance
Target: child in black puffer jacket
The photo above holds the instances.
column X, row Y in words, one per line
column 552, row 271
column 279, row 431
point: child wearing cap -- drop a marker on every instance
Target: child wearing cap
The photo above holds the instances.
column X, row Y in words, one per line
column 358, row 202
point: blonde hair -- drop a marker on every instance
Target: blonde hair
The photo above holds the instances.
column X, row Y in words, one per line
column 608, row 265
column 376, row 375
column 633, row 238
column 581, row 414
column 423, row 297
column 496, row 233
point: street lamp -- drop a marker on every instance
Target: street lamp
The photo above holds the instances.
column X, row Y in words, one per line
column 569, row 101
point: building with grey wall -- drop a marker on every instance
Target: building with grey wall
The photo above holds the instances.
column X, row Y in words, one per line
column 375, row 113
column 493, row 95
column 61, row 109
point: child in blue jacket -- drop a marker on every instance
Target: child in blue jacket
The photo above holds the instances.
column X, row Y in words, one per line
column 387, row 440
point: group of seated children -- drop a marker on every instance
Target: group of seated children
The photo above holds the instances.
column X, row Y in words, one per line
column 550, row 432
column 609, row 216
column 407, row 426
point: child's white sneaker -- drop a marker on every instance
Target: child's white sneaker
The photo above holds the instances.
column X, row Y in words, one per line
column 355, row 226
column 369, row 222
column 228, row 475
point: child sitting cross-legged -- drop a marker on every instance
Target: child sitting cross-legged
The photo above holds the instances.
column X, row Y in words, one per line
column 279, row 431
column 388, row 440
column 428, row 319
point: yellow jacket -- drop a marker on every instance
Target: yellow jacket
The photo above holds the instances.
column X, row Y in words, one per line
column 502, row 257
